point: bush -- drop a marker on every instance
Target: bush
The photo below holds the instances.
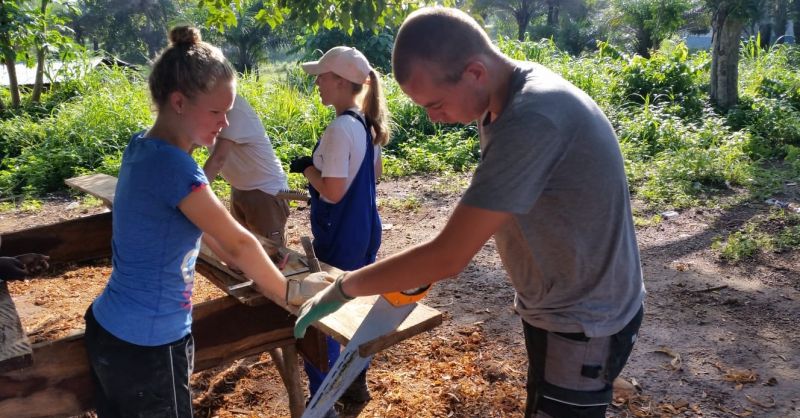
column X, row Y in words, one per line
column 670, row 75
column 77, row 137
column 773, row 123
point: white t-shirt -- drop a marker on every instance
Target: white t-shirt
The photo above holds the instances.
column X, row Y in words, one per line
column 342, row 148
column 251, row 163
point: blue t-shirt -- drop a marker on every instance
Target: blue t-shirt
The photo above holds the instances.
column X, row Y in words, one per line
column 147, row 300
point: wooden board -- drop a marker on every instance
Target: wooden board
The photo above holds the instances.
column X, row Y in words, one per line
column 15, row 349
column 342, row 324
column 58, row 384
column 98, row 185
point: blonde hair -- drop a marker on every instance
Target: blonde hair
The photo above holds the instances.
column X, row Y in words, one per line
column 187, row 65
column 442, row 36
column 375, row 108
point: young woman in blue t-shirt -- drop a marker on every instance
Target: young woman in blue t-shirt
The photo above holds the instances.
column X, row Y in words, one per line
column 138, row 331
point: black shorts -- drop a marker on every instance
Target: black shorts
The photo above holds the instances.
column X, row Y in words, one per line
column 572, row 375
column 134, row 381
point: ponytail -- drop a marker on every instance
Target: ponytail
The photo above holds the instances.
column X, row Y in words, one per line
column 376, row 110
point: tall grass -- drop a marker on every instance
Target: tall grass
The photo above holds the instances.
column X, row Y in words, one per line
column 679, row 150
column 86, row 132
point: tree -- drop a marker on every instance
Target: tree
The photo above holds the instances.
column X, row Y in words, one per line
column 651, row 21
column 727, row 23
column 132, row 30
column 46, row 38
column 14, row 30
column 346, row 15
column 249, row 39
column 29, row 32
column 521, row 10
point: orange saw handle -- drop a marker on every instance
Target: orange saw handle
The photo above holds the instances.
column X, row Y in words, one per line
column 406, row 296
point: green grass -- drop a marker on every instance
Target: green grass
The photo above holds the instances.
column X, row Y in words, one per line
column 679, row 151
column 775, row 232
column 402, row 204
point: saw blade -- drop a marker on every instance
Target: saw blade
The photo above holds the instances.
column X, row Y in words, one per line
column 380, row 320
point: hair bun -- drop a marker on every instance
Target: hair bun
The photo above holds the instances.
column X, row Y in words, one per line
column 185, row 35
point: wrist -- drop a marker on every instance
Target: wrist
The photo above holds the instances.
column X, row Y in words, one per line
column 339, row 283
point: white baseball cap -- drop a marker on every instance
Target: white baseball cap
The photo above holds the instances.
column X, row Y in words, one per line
column 344, row 61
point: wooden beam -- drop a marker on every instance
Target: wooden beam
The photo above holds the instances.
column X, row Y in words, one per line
column 79, row 239
column 58, row 383
column 15, row 349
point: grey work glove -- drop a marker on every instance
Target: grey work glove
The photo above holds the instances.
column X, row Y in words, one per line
column 321, row 305
column 11, row 268
column 303, row 289
column 34, row 263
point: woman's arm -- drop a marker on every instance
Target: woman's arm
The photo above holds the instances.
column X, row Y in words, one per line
column 331, row 188
column 206, row 211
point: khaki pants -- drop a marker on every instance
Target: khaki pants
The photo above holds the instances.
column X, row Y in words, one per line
column 262, row 214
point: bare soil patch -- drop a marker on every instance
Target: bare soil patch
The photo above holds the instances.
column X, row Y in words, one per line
column 718, row 340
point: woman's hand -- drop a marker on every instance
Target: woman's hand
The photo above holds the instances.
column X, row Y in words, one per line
column 300, row 164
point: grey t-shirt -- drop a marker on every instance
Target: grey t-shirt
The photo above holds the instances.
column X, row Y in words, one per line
column 552, row 160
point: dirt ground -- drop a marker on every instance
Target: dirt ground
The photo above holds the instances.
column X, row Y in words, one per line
column 718, row 340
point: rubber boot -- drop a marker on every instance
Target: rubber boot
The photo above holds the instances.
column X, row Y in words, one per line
column 357, row 392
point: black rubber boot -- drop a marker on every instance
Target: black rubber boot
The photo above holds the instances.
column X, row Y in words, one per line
column 358, row 392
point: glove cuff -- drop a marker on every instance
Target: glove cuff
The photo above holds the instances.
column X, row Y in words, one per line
column 338, row 284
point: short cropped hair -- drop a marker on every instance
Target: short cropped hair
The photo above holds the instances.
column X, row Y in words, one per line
column 443, row 36
column 187, row 65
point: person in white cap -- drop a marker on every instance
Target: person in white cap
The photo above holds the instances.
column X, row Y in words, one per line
column 342, row 174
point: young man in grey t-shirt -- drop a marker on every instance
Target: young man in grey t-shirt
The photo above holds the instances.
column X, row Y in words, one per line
column 551, row 189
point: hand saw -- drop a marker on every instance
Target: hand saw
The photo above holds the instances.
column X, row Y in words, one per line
column 389, row 311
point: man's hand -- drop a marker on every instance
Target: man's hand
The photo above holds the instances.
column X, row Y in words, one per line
column 321, row 305
column 11, row 268
column 301, row 290
column 300, row 164
column 34, row 263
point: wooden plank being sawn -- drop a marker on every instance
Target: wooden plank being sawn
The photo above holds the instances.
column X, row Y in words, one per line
column 98, row 185
column 342, row 324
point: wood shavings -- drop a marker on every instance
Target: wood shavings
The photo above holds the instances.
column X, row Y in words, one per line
column 745, row 413
column 770, row 404
column 676, row 361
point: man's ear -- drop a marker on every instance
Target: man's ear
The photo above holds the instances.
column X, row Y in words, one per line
column 476, row 71
column 177, row 101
